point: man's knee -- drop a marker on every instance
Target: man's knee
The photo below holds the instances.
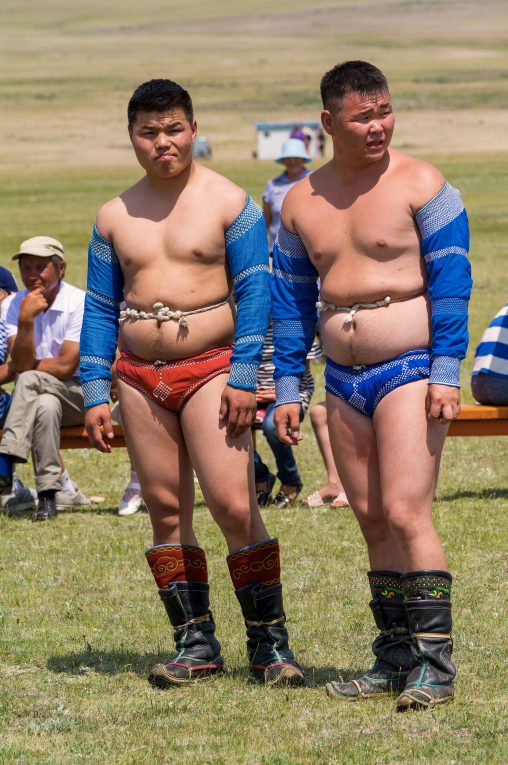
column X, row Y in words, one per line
column 405, row 522
column 49, row 409
column 27, row 381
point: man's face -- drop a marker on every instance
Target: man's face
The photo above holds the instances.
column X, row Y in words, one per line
column 361, row 126
column 40, row 272
column 162, row 142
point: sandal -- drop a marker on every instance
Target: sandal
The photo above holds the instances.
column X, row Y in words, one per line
column 281, row 500
column 316, row 500
column 264, row 496
column 340, row 500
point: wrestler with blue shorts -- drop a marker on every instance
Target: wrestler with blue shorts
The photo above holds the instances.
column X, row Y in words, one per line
column 174, row 247
column 388, row 239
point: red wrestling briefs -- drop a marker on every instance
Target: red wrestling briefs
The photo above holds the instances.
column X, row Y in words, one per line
column 171, row 383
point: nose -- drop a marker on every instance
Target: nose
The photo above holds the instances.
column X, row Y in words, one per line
column 162, row 141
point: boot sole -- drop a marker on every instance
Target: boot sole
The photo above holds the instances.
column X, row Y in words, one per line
column 159, row 677
column 287, row 676
column 406, row 701
column 331, row 693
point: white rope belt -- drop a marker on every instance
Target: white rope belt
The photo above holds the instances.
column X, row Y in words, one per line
column 351, row 310
column 161, row 312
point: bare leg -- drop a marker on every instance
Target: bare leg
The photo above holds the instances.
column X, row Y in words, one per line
column 319, row 420
column 353, row 442
column 159, row 455
column 410, row 448
column 224, row 467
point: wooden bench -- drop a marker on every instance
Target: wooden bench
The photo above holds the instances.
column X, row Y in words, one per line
column 474, row 420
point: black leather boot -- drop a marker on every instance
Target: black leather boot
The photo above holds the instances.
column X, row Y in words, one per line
column 392, row 647
column 429, row 611
column 197, row 653
column 270, row 659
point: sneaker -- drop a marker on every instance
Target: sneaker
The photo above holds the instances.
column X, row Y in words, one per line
column 68, row 499
column 46, row 508
column 16, row 497
column 131, row 500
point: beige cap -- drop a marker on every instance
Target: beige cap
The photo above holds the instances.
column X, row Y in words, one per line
column 41, row 246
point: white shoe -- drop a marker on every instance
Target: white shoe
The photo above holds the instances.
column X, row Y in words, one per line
column 17, row 497
column 131, row 500
column 76, row 499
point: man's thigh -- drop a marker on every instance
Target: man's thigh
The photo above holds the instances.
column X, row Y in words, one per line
column 155, row 443
column 409, row 447
column 354, row 447
column 224, row 465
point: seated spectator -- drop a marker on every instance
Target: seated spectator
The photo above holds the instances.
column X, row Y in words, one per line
column 333, row 491
column 43, row 324
column 20, row 498
column 287, row 469
column 489, row 381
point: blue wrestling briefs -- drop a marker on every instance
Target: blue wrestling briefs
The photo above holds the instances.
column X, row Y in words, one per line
column 364, row 386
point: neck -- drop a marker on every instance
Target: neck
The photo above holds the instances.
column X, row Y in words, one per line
column 350, row 170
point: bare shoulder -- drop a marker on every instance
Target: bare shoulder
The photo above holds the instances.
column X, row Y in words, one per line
column 227, row 199
column 295, row 201
column 421, row 179
column 112, row 213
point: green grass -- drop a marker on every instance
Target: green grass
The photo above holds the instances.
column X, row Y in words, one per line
column 80, row 620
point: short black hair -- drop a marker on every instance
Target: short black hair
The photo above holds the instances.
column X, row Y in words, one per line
column 352, row 77
column 159, row 96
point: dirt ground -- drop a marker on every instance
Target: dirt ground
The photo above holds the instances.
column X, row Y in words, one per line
column 68, row 75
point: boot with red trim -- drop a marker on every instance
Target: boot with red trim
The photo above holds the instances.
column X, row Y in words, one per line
column 255, row 572
column 186, row 601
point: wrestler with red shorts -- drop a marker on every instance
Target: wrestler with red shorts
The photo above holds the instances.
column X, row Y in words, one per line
column 174, row 247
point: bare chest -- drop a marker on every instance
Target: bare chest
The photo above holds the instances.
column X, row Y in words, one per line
column 375, row 227
column 179, row 241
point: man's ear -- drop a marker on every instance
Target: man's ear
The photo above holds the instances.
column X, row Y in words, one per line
column 326, row 121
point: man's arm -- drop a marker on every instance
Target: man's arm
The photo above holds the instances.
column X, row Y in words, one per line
column 443, row 226
column 99, row 337
column 247, row 258
column 22, row 345
column 294, row 316
column 62, row 366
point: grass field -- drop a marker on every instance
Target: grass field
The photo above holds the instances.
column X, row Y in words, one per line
column 80, row 621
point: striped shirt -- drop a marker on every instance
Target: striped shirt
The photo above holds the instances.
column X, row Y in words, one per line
column 491, row 356
column 266, row 369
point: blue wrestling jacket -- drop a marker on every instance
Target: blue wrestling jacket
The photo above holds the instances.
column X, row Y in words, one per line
column 247, row 259
column 444, row 231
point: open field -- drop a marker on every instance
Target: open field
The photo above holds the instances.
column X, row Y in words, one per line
column 80, row 620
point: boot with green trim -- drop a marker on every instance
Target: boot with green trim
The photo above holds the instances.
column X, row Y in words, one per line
column 392, row 647
column 429, row 610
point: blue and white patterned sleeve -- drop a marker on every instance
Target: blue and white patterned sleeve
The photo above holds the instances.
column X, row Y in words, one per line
column 444, row 230
column 294, row 313
column 99, row 333
column 247, row 257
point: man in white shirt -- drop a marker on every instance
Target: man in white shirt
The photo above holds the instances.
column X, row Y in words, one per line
column 43, row 324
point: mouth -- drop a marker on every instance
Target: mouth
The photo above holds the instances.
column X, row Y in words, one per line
column 167, row 156
column 375, row 145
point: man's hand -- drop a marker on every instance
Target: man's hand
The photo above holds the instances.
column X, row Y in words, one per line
column 265, row 396
column 95, row 417
column 237, row 410
column 33, row 304
column 287, row 423
column 442, row 403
